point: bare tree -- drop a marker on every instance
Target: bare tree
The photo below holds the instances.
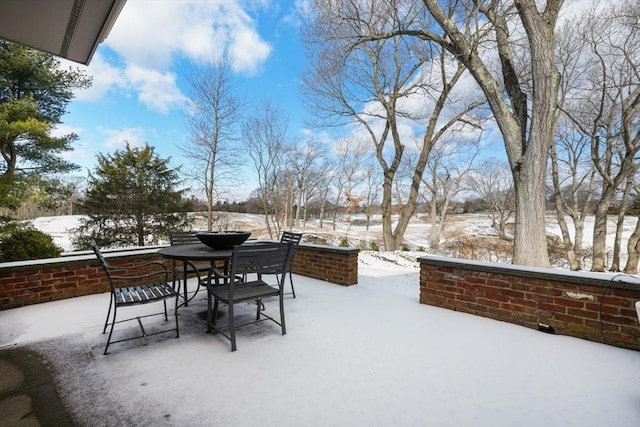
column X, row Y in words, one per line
column 351, row 155
column 382, row 84
column 211, row 119
column 491, row 182
column 526, row 120
column 607, row 107
column 264, row 134
column 622, row 212
column 373, row 183
column 447, row 169
column 324, row 183
column 283, row 195
column 633, row 244
column 572, row 185
column 301, row 159
column 573, row 174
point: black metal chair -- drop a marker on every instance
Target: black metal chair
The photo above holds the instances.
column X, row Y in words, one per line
column 294, row 239
column 150, row 284
column 232, row 288
column 185, row 238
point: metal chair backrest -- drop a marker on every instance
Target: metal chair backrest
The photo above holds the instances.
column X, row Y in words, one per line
column 260, row 259
column 102, row 259
column 289, row 237
column 182, row 237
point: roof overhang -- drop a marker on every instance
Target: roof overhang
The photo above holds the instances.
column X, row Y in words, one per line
column 71, row 29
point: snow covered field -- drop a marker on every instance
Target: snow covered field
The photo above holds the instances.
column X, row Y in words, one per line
column 416, row 237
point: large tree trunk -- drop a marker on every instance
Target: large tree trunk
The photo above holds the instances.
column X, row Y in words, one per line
column 530, row 242
column 388, row 237
column 633, row 250
column 617, row 243
column 600, row 237
column 434, row 235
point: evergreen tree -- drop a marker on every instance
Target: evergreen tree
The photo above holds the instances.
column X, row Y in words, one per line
column 131, row 200
column 34, row 93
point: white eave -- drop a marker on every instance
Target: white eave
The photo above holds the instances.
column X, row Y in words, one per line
column 71, row 29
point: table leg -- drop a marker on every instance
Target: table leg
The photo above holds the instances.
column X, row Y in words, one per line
column 184, row 277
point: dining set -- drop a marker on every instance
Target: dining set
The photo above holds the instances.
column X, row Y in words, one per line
column 230, row 267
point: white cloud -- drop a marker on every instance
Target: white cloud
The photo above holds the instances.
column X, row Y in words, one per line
column 62, row 130
column 247, row 51
column 157, row 90
column 105, row 78
column 150, row 36
column 117, row 138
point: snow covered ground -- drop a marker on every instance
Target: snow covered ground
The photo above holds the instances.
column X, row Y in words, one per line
column 361, row 356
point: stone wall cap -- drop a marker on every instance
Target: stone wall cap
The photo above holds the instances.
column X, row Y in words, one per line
column 327, row 248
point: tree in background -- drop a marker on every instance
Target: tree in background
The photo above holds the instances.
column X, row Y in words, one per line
column 447, row 168
column 131, row 200
column 633, row 245
column 493, row 185
column 302, row 159
column 212, row 124
column 34, row 93
column 522, row 36
column 264, row 134
column 361, row 75
column 606, row 108
column 352, row 155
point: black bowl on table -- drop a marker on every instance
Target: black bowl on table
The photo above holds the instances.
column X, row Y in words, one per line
column 222, row 239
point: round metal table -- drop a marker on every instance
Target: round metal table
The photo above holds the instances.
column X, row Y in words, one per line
column 195, row 252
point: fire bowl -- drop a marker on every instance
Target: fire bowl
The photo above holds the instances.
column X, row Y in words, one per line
column 222, row 239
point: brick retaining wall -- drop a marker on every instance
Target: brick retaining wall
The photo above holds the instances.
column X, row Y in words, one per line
column 31, row 282
column 593, row 306
column 330, row 263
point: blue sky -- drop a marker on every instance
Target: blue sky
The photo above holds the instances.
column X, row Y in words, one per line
column 139, row 87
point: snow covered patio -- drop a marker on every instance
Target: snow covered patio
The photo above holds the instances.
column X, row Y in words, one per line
column 365, row 355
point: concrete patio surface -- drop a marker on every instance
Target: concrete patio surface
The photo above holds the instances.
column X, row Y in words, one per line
column 366, row 355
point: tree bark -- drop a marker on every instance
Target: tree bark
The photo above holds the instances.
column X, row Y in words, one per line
column 633, row 250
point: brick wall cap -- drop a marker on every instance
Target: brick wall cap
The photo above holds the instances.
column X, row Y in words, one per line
column 71, row 257
column 327, row 248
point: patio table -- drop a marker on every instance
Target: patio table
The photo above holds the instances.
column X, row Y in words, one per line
column 195, row 252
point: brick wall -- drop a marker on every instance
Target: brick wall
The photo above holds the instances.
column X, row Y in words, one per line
column 30, row 282
column 597, row 307
column 330, row 263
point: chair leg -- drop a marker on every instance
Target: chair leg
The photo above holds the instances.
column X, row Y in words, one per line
column 176, row 315
column 215, row 311
column 166, row 315
column 208, row 310
column 106, row 322
column 113, row 323
column 291, row 281
column 232, row 327
column 258, row 306
column 284, row 329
